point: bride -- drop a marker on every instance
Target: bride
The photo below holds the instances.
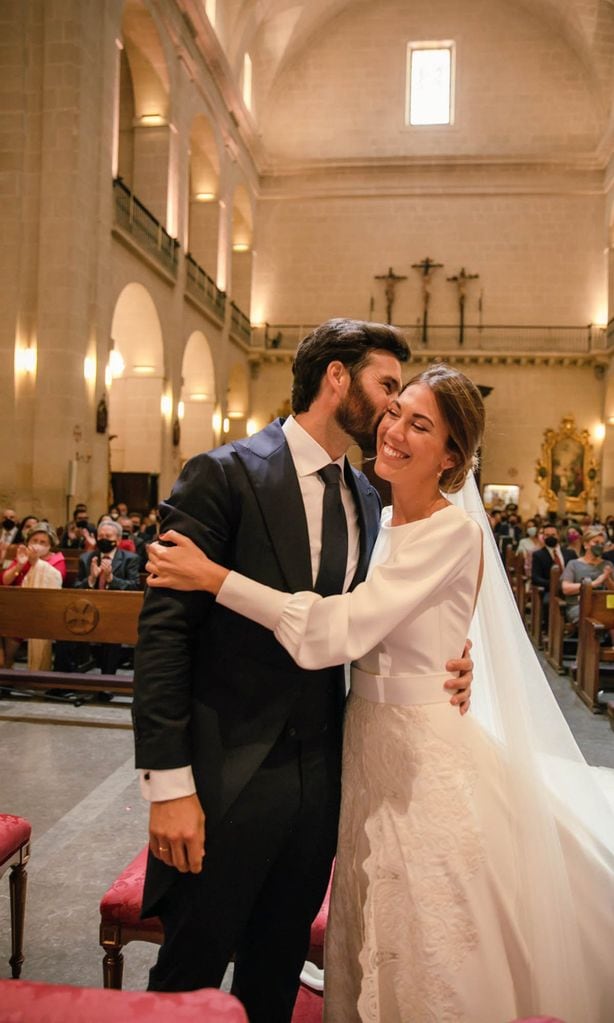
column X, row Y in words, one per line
column 474, row 879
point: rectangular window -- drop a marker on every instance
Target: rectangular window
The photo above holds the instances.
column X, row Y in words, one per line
column 430, row 83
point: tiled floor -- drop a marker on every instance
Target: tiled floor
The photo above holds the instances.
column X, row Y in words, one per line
column 77, row 785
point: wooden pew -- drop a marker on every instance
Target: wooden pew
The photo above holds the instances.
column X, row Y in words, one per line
column 594, row 662
column 519, row 584
column 81, row 616
column 556, row 622
column 535, row 622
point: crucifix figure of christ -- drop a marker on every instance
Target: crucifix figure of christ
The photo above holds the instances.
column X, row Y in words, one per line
column 426, row 268
column 461, row 282
column 391, row 280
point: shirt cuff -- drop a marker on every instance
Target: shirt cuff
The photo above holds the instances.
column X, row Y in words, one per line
column 262, row 604
column 172, row 784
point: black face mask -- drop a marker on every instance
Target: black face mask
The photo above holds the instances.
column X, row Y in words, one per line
column 106, row 546
column 551, row 541
column 81, row 523
column 8, row 524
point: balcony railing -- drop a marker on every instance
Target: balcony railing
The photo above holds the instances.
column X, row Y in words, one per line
column 201, row 286
column 443, row 338
column 239, row 324
column 133, row 217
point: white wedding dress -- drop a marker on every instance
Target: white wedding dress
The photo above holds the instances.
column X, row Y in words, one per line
column 466, row 889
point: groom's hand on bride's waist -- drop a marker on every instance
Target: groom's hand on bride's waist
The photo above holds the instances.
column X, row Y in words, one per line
column 461, row 685
column 177, row 833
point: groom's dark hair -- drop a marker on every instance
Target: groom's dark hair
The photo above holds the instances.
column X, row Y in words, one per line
column 347, row 341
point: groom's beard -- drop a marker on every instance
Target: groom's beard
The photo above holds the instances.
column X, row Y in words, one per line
column 358, row 417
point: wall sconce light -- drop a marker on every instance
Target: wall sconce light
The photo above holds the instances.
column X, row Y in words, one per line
column 150, row 120
column 144, row 370
column 166, row 405
column 89, row 369
column 251, row 427
column 116, row 363
column 181, row 410
column 199, row 396
column 204, row 196
column 226, row 424
column 240, row 247
column 216, row 422
column 599, row 431
column 25, row 360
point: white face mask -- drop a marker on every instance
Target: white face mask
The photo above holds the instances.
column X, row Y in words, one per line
column 40, row 549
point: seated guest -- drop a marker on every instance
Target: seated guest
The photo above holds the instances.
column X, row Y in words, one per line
column 590, row 566
column 543, row 560
column 127, row 542
column 37, row 566
column 529, row 543
column 8, row 528
column 108, row 568
column 80, row 533
column 24, row 526
column 573, row 542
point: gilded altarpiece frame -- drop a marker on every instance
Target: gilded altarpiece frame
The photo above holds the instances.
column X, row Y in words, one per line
column 567, row 473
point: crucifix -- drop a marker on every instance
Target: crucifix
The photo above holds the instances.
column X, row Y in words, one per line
column 391, row 280
column 461, row 282
column 426, row 267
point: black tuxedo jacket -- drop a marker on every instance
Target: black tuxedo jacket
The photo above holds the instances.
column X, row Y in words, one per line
column 213, row 689
column 542, row 562
column 125, row 570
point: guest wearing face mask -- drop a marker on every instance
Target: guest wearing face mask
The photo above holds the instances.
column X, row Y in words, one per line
column 573, row 543
column 590, row 566
column 529, row 543
column 9, row 527
column 37, row 566
column 108, row 568
column 542, row 562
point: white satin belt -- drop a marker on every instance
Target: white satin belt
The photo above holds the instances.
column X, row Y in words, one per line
column 402, row 690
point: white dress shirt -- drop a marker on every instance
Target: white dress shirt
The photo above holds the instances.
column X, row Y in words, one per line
column 308, row 457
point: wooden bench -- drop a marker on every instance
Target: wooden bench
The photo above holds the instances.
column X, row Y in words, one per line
column 77, row 616
column 595, row 665
column 537, row 610
column 519, row 584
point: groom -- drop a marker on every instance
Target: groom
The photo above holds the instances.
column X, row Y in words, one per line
column 230, row 733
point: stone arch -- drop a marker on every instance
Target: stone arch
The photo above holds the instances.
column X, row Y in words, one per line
column 237, row 403
column 198, row 395
column 204, row 194
column 136, row 388
column 242, row 254
column 144, row 110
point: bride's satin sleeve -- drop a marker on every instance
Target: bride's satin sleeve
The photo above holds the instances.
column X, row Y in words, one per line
column 319, row 632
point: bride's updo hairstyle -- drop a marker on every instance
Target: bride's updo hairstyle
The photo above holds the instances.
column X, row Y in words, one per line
column 462, row 408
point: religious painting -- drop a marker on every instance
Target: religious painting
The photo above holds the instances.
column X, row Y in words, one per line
column 498, row 495
column 567, row 473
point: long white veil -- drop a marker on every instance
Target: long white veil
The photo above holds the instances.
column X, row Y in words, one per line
column 565, row 818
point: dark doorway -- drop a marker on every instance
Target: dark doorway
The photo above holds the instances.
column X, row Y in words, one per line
column 139, row 490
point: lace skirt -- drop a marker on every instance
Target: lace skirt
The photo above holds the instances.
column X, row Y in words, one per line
column 423, row 924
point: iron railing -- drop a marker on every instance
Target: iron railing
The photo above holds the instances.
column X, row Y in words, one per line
column 135, row 218
column 201, row 286
column 239, row 324
column 442, row 337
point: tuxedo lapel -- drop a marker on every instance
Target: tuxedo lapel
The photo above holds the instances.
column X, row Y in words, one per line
column 268, row 463
column 368, row 506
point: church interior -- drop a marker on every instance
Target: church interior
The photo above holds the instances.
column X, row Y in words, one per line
column 189, row 187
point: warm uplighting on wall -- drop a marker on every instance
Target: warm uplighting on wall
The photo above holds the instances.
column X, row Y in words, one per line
column 89, row 369
column 199, row 396
column 599, row 432
column 610, row 420
column 204, row 196
column 240, row 247
column 235, row 414
column 25, row 360
column 181, row 410
column 144, row 370
column 151, row 120
column 166, row 405
column 116, row 363
column 251, row 427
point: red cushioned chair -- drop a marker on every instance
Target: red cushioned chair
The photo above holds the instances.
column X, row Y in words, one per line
column 24, row 1002
column 120, row 922
column 15, row 835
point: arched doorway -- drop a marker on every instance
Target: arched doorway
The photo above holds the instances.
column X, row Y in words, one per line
column 197, row 397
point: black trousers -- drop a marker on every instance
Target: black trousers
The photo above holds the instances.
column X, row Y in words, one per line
column 264, row 877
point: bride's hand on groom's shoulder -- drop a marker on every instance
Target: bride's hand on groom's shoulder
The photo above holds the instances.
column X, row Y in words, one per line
column 461, row 685
column 176, row 563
